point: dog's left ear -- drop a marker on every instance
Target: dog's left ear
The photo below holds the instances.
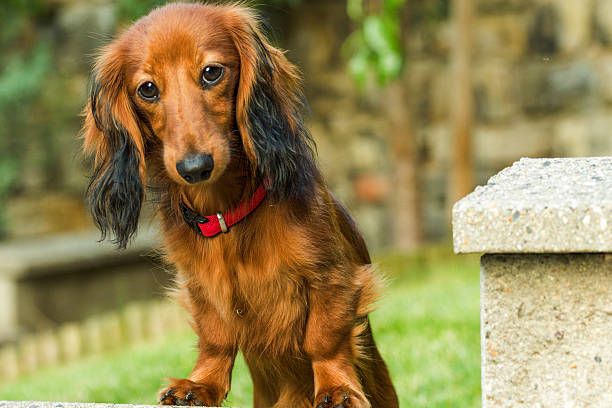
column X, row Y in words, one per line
column 113, row 136
column 269, row 112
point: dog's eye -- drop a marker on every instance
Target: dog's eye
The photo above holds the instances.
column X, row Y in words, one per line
column 148, row 91
column 211, row 74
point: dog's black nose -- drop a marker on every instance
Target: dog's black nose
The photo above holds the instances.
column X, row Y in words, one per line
column 195, row 167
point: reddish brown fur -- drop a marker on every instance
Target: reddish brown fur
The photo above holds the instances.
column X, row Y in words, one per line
column 290, row 289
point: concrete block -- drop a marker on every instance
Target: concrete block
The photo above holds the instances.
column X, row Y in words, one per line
column 545, row 330
column 539, row 206
column 546, row 281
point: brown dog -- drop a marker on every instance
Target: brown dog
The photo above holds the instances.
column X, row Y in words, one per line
column 196, row 96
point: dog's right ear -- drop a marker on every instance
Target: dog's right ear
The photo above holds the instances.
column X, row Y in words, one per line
column 113, row 136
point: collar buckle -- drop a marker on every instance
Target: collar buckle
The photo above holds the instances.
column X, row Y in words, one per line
column 222, row 223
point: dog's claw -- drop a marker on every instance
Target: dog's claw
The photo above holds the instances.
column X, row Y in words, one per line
column 167, row 394
column 345, row 398
column 325, row 402
column 341, row 397
column 184, row 392
column 191, row 398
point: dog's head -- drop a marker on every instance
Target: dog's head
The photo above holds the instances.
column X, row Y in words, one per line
column 189, row 83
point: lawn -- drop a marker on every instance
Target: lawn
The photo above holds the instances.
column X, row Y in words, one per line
column 426, row 326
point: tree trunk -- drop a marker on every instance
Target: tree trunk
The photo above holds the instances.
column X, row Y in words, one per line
column 461, row 180
column 407, row 226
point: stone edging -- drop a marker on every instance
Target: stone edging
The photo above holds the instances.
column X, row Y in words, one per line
column 133, row 323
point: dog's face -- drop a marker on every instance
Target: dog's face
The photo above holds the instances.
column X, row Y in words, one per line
column 189, row 85
column 186, row 70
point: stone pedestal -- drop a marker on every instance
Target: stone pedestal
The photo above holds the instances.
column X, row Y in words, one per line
column 546, row 281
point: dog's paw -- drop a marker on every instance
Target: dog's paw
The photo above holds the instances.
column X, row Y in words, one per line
column 186, row 392
column 341, row 397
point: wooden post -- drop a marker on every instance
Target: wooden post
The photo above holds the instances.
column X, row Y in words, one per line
column 405, row 197
column 461, row 178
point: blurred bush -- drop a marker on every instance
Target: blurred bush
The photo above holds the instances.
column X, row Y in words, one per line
column 24, row 65
column 375, row 48
column 130, row 10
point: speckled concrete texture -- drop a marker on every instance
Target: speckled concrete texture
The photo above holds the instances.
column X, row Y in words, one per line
column 539, row 206
column 546, row 330
column 46, row 404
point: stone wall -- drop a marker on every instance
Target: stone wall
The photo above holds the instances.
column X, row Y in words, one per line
column 542, row 74
column 542, row 87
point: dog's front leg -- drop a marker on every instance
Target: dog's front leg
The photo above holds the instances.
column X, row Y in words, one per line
column 209, row 382
column 328, row 342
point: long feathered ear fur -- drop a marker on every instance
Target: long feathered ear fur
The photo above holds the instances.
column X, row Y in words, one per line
column 269, row 112
column 113, row 136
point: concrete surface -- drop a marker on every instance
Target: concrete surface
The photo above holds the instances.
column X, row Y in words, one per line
column 70, row 252
column 45, row 404
column 546, row 330
column 539, row 206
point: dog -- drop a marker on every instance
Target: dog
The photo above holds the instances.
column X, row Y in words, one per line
column 193, row 102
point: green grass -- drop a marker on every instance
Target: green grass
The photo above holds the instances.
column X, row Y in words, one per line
column 426, row 327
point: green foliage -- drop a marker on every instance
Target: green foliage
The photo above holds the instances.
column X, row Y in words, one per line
column 24, row 66
column 375, row 46
column 130, row 10
column 8, row 175
column 23, row 75
column 435, row 10
column 426, row 326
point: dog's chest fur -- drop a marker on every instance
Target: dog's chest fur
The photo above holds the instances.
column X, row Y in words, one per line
column 259, row 291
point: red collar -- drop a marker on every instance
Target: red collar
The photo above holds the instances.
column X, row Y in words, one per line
column 212, row 225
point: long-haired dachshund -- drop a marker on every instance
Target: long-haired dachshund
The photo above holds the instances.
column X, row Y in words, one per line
column 268, row 261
